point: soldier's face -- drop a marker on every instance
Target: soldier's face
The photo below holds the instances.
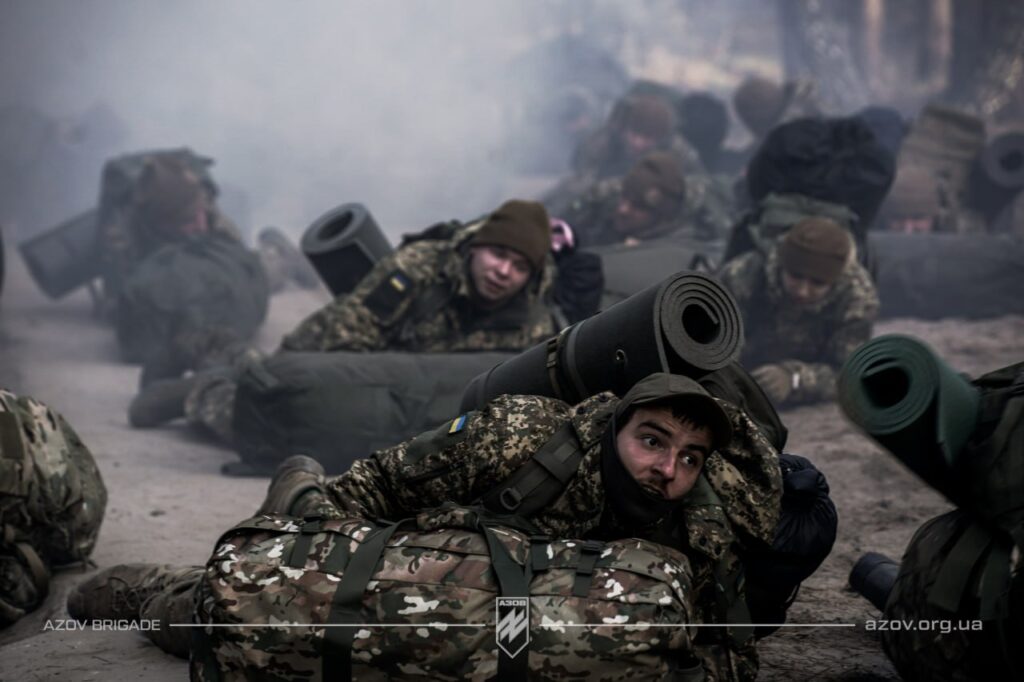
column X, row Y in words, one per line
column 498, row 273
column 637, row 144
column 802, row 290
column 912, row 225
column 664, row 455
column 630, row 217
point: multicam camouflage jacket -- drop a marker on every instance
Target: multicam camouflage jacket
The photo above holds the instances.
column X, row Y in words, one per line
column 810, row 341
column 467, row 457
column 52, row 500
column 707, row 212
column 420, row 299
column 125, row 240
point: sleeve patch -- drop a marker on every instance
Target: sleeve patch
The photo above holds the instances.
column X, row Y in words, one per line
column 385, row 300
column 457, row 424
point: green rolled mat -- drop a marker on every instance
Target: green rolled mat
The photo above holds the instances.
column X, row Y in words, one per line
column 905, row 397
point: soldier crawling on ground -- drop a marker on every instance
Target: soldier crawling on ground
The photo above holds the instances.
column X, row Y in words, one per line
column 483, row 289
column 652, row 201
column 692, row 472
column 806, row 306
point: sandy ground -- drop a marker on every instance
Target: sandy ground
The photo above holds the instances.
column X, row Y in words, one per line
column 168, row 503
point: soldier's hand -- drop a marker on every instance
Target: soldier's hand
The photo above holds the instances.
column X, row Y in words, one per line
column 776, row 381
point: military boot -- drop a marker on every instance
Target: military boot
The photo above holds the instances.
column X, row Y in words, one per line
column 297, row 487
column 282, row 259
column 160, row 402
column 120, row 592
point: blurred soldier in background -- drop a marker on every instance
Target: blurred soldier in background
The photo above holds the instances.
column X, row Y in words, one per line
column 806, row 305
column 484, row 289
column 654, row 199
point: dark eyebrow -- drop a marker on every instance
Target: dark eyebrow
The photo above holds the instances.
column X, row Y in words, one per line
column 655, row 426
column 699, row 448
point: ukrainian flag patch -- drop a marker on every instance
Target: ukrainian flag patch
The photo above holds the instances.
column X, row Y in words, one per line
column 457, row 424
column 399, row 282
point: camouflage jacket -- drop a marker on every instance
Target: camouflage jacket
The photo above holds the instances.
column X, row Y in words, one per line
column 419, row 299
column 126, row 239
column 598, row 156
column 464, row 459
column 707, row 212
column 813, row 341
column 52, row 500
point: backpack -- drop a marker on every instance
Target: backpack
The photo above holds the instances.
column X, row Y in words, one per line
column 202, row 283
column 991, row 466
column 52, row 500
column 121, row 174
column 435, row 580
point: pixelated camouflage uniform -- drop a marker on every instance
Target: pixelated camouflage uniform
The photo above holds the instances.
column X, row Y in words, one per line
column 811, row 341
column 52, row 500
column 418, row 299
column 706, row 214
column 437, row 467
column 735, row 504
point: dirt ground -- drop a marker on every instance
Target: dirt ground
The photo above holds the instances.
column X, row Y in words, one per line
column 168, row 502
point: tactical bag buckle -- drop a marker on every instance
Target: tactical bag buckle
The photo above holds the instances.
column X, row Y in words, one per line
column 510, row 499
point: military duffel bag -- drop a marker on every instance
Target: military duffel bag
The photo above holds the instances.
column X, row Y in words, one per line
column 319, row 599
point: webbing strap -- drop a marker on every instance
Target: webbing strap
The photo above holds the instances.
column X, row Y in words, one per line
column 951, row 582
column 512, row 582
column 995, row 583
column 36, row 567
column 539, row 560
column 552, row 365
column 731, row 605
column 590, row 552
column 304, row 542
column 346, row 605
column 541, row 479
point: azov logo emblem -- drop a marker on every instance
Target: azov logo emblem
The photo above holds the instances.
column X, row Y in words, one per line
column 513, row 624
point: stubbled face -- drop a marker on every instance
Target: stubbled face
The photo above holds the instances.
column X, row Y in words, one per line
column 919, row 225
column 804, row 291
column 631, row 218
column 664, row 455
column 498, row 273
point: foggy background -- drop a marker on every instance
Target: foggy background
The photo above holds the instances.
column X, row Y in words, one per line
column 422, row 110
column 406, row 106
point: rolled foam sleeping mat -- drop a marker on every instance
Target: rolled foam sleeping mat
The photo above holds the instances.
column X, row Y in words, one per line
column 688, row 324
column 912, row 403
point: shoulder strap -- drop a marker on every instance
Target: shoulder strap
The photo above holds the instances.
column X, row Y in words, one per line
column 540, row 480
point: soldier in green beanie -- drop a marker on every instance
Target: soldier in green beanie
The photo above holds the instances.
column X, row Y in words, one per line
column 486, row 287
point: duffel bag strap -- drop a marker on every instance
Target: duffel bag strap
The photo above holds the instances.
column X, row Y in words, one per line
column 541, row 479
column 590, row 552
column 512, row 582
column 311, row 525
column 346, row 606
column 36, row 567
column 951, row 581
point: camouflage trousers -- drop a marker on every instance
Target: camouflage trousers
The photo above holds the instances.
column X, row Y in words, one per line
column 936, row 643
column 175, row 603
column 210, row 403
